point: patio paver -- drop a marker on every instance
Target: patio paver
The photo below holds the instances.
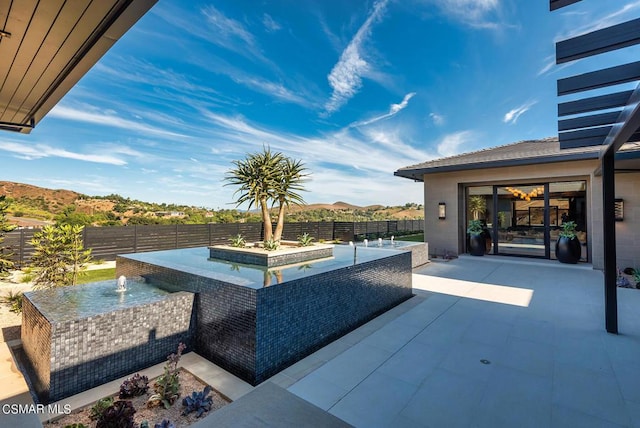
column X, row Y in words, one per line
column 539, row 325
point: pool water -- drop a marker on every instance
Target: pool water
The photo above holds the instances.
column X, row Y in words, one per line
column 196, row 261
column 82, row 301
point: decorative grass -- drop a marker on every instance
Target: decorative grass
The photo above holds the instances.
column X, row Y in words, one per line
column 413, row 238
column 97, row 275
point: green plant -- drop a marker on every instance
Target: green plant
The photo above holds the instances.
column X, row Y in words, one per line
column 76, row 425
column 271, row 244
column 98, row 409
column 238, row 241
column 167, row 385
column 477, row 205
column 59, row 256
column 305, row 240
column 6, row 264
column 198, row 402
column 118, row 415
column 13, row 301
column 266, row 177
column 475, row 228
column 26, row 277
column 568, row 230
column 134, row 386
column 636, row 276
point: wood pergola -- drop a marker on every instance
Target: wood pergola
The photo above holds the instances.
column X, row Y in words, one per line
column 608, row 120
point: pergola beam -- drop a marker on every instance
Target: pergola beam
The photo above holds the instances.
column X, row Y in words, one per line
column 557, row 4
column 599, row 79
column 600, row 102
column 600, row 41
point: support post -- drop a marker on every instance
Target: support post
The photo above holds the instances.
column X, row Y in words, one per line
column 609, row 235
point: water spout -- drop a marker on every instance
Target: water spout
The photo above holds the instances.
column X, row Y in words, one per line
column 366, row 242
column 379, row 242
column 122, row 283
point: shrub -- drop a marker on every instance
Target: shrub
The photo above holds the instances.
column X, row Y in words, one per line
column 118, row 415
column 13, row 301
column 199, row 402
column 238, row 241
column 568, row 230
column 475, row 227
column 167, row 385
column 134, row 386
column 98, row 409
column 78, row 425
column 271, row 245
column 305, row 240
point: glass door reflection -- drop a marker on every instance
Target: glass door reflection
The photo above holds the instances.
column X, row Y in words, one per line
column 521, row 220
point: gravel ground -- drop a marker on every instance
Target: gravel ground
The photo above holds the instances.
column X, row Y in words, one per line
column 10, row 322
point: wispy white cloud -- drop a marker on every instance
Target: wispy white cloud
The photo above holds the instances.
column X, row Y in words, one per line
column 228, row 31
column 270, row 24
column 393, row 110
column 345, row 78
column 451, row 144
column 39, row 151
column 474, row 13
column 374, row 151
column 108, row 119
column 437, row 119
column 591, row 24
column 512, row 115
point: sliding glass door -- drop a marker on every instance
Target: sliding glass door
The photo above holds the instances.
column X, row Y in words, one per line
column 525, row 219
column 521, row 220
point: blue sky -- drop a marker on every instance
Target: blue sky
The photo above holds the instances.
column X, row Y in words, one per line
column 355, row 89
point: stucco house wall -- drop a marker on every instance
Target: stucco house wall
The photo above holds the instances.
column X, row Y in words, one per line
column 449, row 235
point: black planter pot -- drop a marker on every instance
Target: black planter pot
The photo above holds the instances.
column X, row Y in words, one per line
column 568, row 250
column 477, row 244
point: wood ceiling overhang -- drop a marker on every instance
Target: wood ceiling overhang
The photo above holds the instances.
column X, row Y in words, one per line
column 46, row 46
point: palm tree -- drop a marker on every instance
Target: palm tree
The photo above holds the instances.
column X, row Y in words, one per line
column 256, row 175
column 291, row 176
column 268, row 177
column 477, row 205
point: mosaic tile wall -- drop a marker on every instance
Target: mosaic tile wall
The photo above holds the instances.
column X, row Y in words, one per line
column 224, row 313
column 419, row 254
column 273, row 260
column 256, row 333
column 36, row 343
column 302, row 316
column 74, row 356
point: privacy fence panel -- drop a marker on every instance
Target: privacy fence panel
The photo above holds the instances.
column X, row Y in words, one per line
column 107, row 242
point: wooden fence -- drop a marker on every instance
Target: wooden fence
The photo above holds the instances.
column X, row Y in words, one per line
column 107, row 242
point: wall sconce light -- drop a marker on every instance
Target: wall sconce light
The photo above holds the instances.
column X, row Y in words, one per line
column 619, row 209
column 442, row 210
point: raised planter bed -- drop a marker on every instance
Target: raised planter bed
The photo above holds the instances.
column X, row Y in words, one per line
column 290, row 252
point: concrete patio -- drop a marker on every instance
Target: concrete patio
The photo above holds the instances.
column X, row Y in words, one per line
column 486, row 342
column 489, row 342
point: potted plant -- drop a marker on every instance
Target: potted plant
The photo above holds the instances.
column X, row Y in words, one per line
column 568, row 248
column 477, row 240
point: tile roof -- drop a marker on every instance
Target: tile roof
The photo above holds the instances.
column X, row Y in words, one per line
column 521, row 153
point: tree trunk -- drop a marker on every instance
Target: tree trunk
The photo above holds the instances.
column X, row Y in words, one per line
column 280, row 226
column 266, row 220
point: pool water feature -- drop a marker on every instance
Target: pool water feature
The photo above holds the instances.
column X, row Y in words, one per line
column 70, row 303
column 79, row 337
column 252, row 321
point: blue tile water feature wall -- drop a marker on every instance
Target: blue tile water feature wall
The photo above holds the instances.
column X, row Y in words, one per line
column 258, row 326
column 251, row 321
column 78, row 345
